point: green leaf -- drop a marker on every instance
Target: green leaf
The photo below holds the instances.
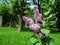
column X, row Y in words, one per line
column 45, row 31
column 52, row 2
column 26, row 11
column 33, row 40
column 38, row 44
column 11, row 11
column 50, row 16
column 46, row 13
column 43, row 22
column 52, row 22
column 13, row 1
column 44, row 6
column 51, row 43
column 50, row 9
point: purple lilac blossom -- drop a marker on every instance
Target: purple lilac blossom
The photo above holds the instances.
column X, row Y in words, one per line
column 24, row 18
column 33, row 26
column 30, row 21
column 41, row 35
column 37, row 15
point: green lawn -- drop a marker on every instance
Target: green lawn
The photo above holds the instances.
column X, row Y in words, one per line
column 56, row 38
column 10, row 36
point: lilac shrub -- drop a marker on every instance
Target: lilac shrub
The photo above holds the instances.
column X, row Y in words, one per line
column 46, row 40
column 33, row 26
column 36, row 27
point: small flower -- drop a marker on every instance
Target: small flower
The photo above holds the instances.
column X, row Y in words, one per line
column 35, row 27
column 30, row 21
column 41, row 35
column 24, row 18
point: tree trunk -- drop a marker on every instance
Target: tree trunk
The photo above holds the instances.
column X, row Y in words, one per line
column 10, row 21
column 20, row 23
column 0, row 20
column 20, row 16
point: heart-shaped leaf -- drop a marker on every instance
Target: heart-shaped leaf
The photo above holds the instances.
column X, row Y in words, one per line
column 33, row 40
column 45, row 31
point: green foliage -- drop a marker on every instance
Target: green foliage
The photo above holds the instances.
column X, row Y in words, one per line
column 10, row 8
column 44, row 6
column 48, row 11
column 44, row 23
column 38, row 43
column 45, row 31
column 47, row 8
column 26, row 11
column 51, row 42
column 10, row 11
column 33, row 40
column 3, row 8
column 36, row 40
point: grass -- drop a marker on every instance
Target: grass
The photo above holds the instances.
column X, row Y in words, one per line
column 56, row 38
column 10, row 36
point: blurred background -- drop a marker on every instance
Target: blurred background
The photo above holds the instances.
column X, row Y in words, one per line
column 11, row 12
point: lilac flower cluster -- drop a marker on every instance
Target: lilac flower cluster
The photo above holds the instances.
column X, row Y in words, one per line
column 33, row 26
column 29, row 21
column 37, row 15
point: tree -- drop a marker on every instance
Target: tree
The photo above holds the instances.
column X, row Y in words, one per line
column 21, row 14
column 57, row 9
